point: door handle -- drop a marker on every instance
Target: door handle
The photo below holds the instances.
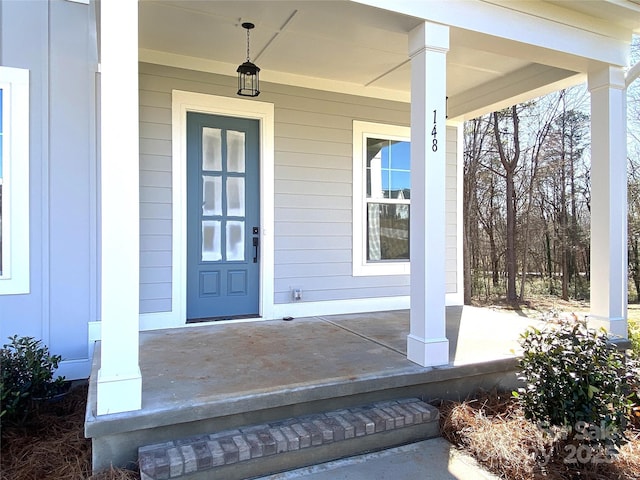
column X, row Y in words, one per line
column 256, row 243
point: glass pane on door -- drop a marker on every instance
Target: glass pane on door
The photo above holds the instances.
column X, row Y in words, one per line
column 211, row 241
column 211, row 195
column 235, row 196
column 211, row 149
column 235, row 241
column 235, row 151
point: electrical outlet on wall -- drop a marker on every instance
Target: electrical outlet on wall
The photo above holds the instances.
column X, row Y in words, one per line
column 296, row 294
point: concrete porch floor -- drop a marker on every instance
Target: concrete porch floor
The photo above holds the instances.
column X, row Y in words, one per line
column 206, row 378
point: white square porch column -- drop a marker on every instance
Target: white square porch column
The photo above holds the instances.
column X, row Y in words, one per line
column 119, row 378
column 427, row 344
column 609, row 200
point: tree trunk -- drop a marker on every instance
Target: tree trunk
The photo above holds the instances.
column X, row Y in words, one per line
column 564, row 253
column 474, row 140
column 509, row 165
column 547, row 238
column 634, row 259
column 511, row 238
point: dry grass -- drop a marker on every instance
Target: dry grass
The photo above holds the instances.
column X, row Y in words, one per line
column 493, row 429
column 52, row 445
column 537, row 306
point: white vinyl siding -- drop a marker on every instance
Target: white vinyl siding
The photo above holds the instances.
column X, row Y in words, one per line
column 155, row 200
column 313, row 187
column 451, row 195
column 313, row 204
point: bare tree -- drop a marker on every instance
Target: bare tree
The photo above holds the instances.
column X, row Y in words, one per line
column 476, row 133
column 545, row 121
column 633, row 182
column 634, row 223
column 526, row 200
column 509, row 158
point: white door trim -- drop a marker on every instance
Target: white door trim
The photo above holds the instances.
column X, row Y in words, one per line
column 181, row 103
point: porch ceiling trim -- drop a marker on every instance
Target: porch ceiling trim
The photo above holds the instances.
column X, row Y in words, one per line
column 529, row 82
column 506, row 22
column 222, row 68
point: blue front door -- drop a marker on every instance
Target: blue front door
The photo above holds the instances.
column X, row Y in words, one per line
column 223, row 214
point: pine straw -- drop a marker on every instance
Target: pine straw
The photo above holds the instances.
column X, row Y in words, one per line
column 52, row 445
column 493, row 429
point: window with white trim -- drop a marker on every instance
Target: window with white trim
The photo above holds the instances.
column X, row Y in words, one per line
column 381, row 198
column 14, row 180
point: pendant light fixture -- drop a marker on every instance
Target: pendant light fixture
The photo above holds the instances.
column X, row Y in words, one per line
column 248, row 73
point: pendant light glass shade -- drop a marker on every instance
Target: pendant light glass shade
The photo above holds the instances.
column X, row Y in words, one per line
column 248, row 80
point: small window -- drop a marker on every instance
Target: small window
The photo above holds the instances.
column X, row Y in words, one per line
column 381, row 199
column 14, row 181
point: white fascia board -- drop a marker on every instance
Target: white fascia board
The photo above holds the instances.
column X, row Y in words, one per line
column 510, row 24
column 212, row 66
column 574, row 14
column 527, row 83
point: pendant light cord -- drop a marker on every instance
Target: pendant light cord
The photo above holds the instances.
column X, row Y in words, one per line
column 248, row 59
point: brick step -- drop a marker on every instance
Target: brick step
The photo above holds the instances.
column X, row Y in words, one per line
column 290, row 443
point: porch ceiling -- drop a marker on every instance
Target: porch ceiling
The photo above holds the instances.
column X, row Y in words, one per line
column 343, row 46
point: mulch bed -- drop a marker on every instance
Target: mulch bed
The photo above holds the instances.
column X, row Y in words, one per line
column 493, row 429
column 51, row 445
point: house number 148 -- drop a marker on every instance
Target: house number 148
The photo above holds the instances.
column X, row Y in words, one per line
column 434, row 133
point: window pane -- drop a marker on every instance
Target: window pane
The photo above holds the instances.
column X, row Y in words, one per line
column 211, row 242
column 388, row 232
column 375, row 148
column 235, row 196
column 388, row 169
column 374, row 178
column 399, row 185
column 374, row 167
column 400, row 155
column 235, row 151
column 211, row 195
column 211, row 149
column 235, row 241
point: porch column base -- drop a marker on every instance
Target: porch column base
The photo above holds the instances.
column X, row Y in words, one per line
column 616, row 326
column 117, row 394
column 428, row 353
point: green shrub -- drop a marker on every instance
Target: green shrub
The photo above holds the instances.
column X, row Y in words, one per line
column 26, row 373
column 577, row 381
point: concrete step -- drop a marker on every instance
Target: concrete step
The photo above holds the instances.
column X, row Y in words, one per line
column 290, row 443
